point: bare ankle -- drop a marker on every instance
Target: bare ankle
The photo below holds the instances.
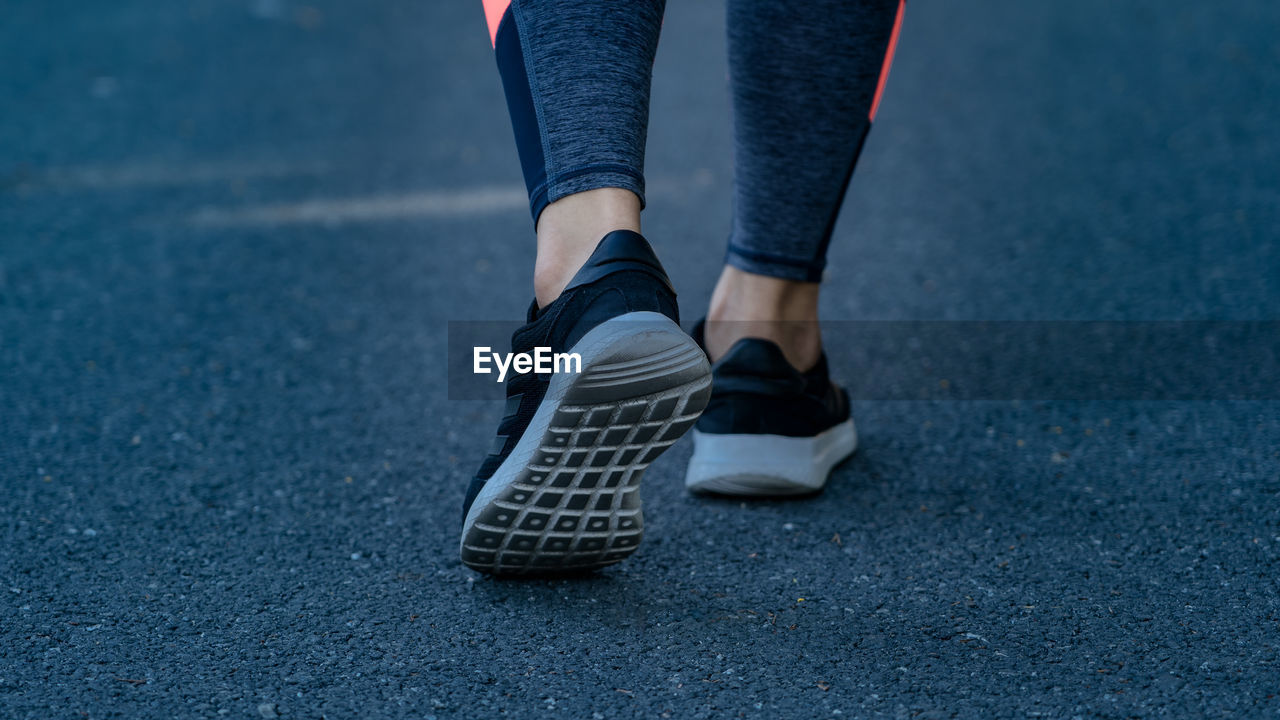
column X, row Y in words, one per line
column 749, row 305
column 569, row 230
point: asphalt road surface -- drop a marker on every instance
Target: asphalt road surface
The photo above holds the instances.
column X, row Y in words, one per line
column 233, row 233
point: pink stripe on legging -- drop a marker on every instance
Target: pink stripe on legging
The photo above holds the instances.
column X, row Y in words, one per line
column 493, row 10
column 888, row 59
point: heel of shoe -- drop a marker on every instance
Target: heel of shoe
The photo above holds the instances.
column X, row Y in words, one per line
column 567, row 499
column 637, row 354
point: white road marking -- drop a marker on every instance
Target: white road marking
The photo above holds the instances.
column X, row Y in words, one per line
column 425, row 204
column 334, row 211
column 111, row 177
column 325, row 211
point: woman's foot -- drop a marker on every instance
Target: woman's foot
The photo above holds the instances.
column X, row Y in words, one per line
column 775, row 425
column 560, row 489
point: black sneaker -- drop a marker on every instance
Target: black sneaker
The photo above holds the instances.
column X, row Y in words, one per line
column 769, row 429
column 560, row 488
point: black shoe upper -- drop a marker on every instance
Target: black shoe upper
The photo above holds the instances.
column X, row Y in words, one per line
column 623, row 275
column 754, row 390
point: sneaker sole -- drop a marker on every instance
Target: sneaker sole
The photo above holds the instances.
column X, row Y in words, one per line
column 568, row 497
column 767, row 465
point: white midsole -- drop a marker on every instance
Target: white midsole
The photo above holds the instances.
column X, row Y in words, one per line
column 751, row 464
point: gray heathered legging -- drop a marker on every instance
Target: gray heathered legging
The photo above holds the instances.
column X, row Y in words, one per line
column 806, row 79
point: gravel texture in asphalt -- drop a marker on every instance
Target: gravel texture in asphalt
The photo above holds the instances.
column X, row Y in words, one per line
column 232, row 235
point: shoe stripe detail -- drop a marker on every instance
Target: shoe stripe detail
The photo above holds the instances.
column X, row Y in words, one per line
column 513, row 405
column 499, row 444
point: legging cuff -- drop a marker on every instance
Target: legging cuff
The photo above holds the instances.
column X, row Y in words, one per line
column 581, row 179
column 778, row 266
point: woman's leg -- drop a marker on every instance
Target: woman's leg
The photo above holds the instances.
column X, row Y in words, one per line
column 576, row 76
column 806, row 79
column 559, row 490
